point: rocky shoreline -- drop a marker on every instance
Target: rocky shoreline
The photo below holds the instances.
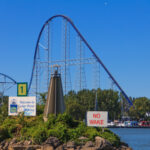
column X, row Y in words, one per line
column 52, row 143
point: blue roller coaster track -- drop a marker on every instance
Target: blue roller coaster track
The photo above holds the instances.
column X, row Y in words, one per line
column 8, row 77
column 86, row 43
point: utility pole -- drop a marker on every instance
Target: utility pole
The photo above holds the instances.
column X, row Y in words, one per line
column 96, row 102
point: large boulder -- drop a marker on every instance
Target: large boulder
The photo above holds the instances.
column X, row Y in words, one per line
column 70, row 145
column 102, row 144
column 53, row 141
column 89, row 144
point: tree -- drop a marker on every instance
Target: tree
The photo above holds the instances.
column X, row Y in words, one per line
column 40, row 106
column 43, row 97
column 4, row 109
column 109, row 101
column 76, row 110
column 140, row 107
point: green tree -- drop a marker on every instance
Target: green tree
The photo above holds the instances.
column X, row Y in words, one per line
column 3, row 109
column 140, row 107
column 41, row 104
column 109, row 101
column 84, row 100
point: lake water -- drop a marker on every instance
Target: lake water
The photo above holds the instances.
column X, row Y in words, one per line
column 136, row 138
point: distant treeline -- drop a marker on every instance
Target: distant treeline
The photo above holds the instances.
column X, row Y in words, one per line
column 77, row 103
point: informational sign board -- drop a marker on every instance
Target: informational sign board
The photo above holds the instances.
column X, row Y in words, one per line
column 97, row 118
column 22, row 89
column 17, row 105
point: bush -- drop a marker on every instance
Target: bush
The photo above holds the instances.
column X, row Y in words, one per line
column 39, row 109
column 10, row 125
column 34, row 121
column 65, row 119
column 75, row 133
column 59, row 131
column 4, row 134
column 111, row 137
column 62, row 126
column 91, row 133
column 51, row 121
column 39, row 135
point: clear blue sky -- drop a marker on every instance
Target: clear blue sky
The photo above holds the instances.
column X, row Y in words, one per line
column 118, row 31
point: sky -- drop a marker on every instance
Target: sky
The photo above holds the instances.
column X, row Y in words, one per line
column 117, row 30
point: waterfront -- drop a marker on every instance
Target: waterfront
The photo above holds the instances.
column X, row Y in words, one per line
column 137, row 138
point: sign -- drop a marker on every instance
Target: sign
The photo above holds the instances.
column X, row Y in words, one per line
column 22, row 89
column 17, row 105
column 97, row 118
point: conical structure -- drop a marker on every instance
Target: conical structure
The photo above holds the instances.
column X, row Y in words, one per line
column 55, row 100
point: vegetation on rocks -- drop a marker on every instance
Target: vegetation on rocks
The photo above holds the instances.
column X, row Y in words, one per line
column 70, row 127
column 62, row 126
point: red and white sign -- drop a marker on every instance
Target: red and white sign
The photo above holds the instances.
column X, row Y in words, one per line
column 97, row 118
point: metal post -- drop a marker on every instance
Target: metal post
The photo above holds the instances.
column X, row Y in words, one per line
column 65, row 54
column 80, row 65
column 48, row 49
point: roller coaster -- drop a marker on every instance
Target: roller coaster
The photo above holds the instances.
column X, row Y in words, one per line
column 6, row 82
column 61, row 44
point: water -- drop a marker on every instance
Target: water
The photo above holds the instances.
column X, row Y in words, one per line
column 136, row 138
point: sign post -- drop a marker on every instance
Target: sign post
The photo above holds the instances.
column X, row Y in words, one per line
column 27, row 105
column 22, row 103
column 97, row 118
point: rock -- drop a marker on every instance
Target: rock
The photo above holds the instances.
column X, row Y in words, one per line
column 82, row 138
column 89, row 144
column 89, row 148
column 13, row 141
column 2, row 144
column 20, row 143
column 47, row 147
column 102, row 143
column 61, row 147
column 78, row 148
column 5, row 147
column 28, row 147
column 27, row 142
column 70, row 144
column 53, row 141
column 124, row 144
column 123, row 147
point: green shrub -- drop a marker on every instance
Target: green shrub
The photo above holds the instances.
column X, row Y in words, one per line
column 111, row 137
column 75, row 133
column 39, row 135
column 34, row 121
column 62, row 126
column 4, row 134
column 51, row 121
column 10, row 125
column 65, row 119
column 39, row 109
column 24, row 131
column 59, row 131
column 91, row 133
